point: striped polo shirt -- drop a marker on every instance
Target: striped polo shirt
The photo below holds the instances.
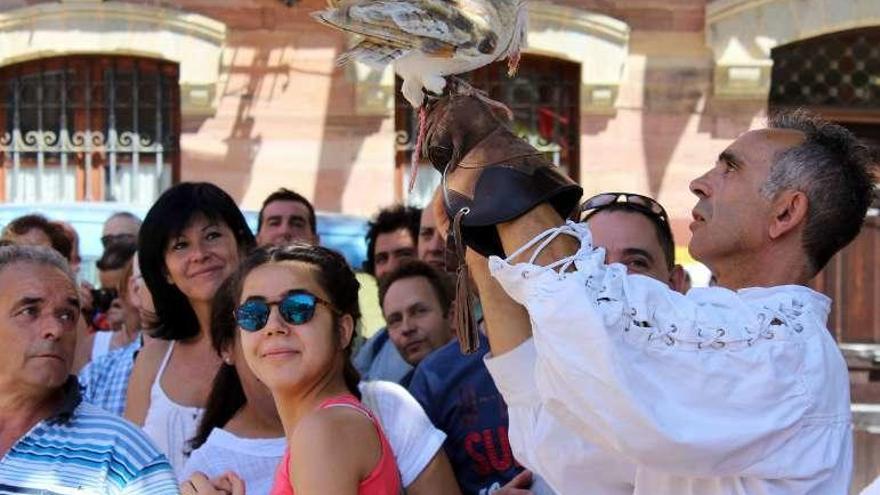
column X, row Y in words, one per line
column 81, row 450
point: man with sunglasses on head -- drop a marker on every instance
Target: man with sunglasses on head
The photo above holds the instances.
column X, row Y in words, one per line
column 736, row 389
column 634, row 231
column 121, row 226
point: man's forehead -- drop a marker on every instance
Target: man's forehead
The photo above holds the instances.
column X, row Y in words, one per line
column 761, row 143
column 624, row 230
column 285, row 206
column 428, row 219
column 396, row 239
column 409, row 291
column 24, row 279
column 121, row 225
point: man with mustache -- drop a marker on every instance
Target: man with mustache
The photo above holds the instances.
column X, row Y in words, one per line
column 737, row 389
column 51, row 441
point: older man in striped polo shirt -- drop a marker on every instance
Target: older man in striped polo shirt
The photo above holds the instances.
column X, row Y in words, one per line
column 50, row 441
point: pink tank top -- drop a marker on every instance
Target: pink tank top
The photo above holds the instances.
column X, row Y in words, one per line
column 384, row 479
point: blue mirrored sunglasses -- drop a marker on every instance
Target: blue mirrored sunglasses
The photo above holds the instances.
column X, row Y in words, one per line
column 296, row 307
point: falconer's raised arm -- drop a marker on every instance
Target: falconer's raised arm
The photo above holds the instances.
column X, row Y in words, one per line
column 713, row 384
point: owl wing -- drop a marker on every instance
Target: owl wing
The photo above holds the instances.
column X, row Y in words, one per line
column 436, row 27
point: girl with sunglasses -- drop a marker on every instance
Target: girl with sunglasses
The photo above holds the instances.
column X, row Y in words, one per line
column 241, row 434
column 297, row 311
column 191, row 240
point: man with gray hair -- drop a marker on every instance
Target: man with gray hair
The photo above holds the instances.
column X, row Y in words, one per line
column 50, row 441
column 736, row 389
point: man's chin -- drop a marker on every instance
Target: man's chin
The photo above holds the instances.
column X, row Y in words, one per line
column 699, row 251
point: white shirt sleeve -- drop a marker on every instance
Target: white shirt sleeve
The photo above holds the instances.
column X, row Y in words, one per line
column 412, row 436
column 540, row 443
column 709, row 388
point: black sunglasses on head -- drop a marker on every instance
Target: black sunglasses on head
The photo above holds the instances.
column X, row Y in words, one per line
column 604, row 200
column 296, row 307
column 109, row 239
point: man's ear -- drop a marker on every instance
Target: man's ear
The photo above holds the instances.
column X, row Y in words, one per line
column 789, row 211
column 679, row 280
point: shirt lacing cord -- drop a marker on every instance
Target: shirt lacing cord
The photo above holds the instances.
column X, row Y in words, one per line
column 545, row 238
column 768, row 323
column 782, row 316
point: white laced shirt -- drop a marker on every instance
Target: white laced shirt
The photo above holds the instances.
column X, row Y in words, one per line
column 716, row 392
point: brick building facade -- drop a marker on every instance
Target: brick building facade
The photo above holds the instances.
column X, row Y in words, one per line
column 630, row 95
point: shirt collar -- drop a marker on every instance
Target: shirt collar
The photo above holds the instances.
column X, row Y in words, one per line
column 819, row 302
column 71, row 396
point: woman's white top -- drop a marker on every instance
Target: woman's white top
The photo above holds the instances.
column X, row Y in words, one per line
column 412, row 436
column 716, row 392
column 252, row 459
column 413, row 439
column 168, row 424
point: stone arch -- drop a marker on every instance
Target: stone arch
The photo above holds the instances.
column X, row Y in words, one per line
column 741, row 34
column 193, row 41
column 596, row 41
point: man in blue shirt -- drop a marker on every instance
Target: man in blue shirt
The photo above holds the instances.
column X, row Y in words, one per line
column 50, row 441
column 416, row 301
column 391, row 240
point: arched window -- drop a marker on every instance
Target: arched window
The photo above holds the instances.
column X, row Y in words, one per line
column 545, row 99
column 89, row 128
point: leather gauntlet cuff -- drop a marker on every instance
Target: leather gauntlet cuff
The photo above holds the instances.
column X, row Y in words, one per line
column 499, row 180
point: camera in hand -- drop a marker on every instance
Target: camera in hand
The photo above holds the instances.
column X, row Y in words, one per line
column 102, row 299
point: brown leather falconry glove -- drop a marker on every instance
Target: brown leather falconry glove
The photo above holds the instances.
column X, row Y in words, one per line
column 488, row 171
column 490, row 176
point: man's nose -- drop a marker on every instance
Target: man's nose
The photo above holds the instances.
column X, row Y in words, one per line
column 52, row 328
column 409, row 326
column 701, row 186
column 436, row 243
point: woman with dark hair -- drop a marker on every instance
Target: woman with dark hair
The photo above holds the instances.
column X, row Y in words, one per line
column 242, row 433
column 191, row 240
column 296, row 315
